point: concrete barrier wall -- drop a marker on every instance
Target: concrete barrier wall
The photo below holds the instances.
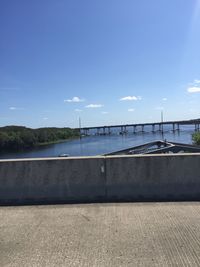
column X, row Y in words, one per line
column 100, row 179
column 52, row 180
column 154, row 177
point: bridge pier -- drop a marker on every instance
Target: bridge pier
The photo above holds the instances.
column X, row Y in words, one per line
column 123, row 130
column 142, row 128
column 153, row 128
column 196, row 127
column 174, row 125
column 86, row 132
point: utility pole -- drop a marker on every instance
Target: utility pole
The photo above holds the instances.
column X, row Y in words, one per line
column 80, row 127
column 162, row 125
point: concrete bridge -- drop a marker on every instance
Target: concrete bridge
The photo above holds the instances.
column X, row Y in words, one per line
column 140, row 127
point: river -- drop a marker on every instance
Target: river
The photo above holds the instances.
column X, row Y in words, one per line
column 98, row 145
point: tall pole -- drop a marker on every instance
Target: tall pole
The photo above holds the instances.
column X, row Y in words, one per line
column 80, row 127
column 162, row 125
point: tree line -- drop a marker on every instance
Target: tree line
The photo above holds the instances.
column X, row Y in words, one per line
column 19, row 137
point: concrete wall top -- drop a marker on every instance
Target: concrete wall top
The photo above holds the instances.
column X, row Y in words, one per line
column 103, row 157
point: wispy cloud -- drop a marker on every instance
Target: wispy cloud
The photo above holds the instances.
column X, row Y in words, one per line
column 78, row 110
column 130, row 98
column 94, row 106
column 164, row 99
column 75, row 99
column 194, row 89
column 15, row 108
column 196, row 81
column 104, row 112
column 45, row 118
column 131, row 109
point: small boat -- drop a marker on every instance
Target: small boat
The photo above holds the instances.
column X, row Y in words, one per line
column 63, row 155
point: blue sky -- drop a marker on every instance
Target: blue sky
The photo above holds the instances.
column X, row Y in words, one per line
column 106, row 61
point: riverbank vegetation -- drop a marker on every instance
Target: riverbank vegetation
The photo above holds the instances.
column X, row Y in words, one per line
column 15, row 138
column 196, row 138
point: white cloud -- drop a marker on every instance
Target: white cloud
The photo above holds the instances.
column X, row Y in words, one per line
column 15, row 108
column 131, row 109
column 75, row 99
column 45, row 118
column 78, row 110
column 164, row 99
column 130, row 98
column 194, row 89
column 196, row 81
column 104, row 112
column 94, row 106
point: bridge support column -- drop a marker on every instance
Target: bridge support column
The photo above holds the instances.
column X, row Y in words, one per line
column 153, row 128
column 134, row 129
column 178, row 127
column 196, row 127
column 142, row 128
column 160, row 127
column 173, row 125
column 104, row 131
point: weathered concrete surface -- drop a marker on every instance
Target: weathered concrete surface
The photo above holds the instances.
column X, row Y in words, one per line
column 153, row 177
column 100, row 179
column 51, row 180
column 140, row 234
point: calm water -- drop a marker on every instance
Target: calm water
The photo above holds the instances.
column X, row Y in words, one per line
column 97, row 145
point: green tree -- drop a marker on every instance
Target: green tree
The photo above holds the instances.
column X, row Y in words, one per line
column 196, row 138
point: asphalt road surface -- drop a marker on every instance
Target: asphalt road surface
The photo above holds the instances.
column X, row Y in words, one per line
column 129, row 234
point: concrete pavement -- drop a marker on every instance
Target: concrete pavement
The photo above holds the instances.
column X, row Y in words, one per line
column 128, row 234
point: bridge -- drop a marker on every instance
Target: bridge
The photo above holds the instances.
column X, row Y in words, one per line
column 140, row 127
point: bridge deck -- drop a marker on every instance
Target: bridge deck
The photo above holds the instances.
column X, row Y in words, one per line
column 134, row 234
column 181, row 122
